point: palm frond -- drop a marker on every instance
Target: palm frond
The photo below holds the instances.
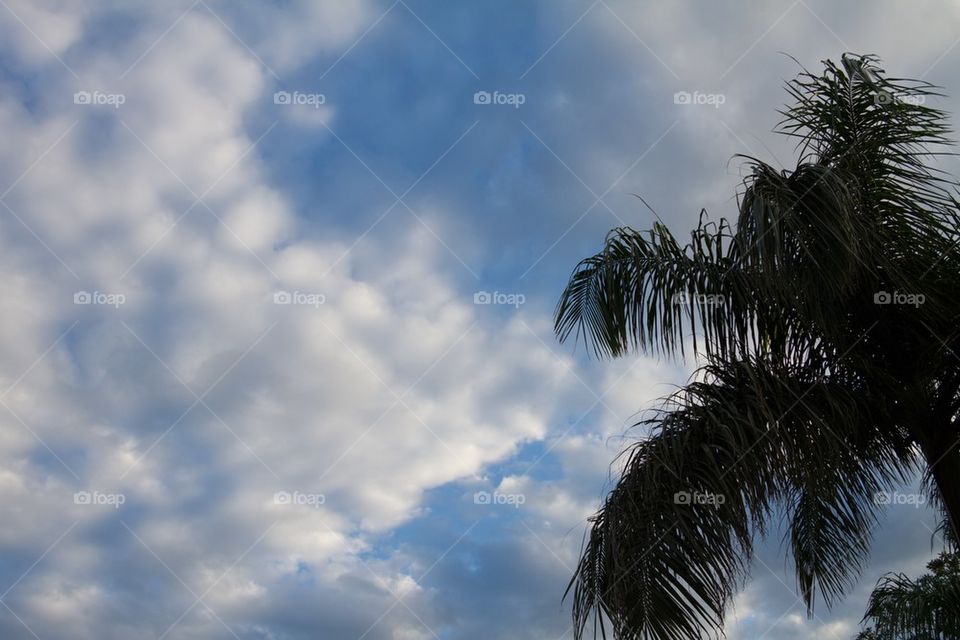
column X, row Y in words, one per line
column 814, row 396
column 673, row 540
column 927, row 608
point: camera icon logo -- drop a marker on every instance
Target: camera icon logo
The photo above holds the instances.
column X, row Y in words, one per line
column 681, row 497
column 482, row 497
column 682, row 97
column 82, row 497
column 82, row 297
column 281, row 497
column 482, row 97
column 884, row 97
column 882, row 297
column 282, row 297
column 882, row 498
column 282, row 97
column 82, row 97
column 482, row 297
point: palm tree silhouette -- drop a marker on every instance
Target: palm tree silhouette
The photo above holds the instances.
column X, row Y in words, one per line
column 927, row 608
column 825, row 325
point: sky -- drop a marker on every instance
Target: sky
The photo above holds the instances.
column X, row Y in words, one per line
column 277, row 358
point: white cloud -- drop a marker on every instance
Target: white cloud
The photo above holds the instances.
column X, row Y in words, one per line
column 293, row 389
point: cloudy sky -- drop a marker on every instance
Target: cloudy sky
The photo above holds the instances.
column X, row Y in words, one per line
column 276, row 358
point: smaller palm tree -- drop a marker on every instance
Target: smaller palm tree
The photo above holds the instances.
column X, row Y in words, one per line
column 927, row 608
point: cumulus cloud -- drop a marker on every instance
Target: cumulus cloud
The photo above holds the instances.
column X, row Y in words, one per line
column 223, row 418
column 225, row 379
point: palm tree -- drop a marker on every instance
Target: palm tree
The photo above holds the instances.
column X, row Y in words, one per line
column 825, row 325
column 927, row 608
column 924, row 609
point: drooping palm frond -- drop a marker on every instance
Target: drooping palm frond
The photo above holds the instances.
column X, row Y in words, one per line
column 671, row 544
column 649, row 291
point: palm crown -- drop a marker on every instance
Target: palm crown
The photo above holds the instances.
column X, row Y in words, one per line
column 927, row 608
column 825, row 324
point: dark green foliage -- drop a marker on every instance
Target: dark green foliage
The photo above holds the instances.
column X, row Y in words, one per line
column 810, row 398
column 927, row 608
